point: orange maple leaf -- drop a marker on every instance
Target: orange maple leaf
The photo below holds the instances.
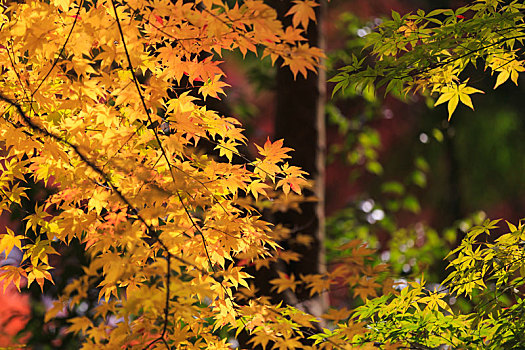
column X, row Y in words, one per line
column 303, row 12
column 284, row 282
column 274, row 152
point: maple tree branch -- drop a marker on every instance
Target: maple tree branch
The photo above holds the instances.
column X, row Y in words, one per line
column 416, row 72
column 46, row 134
column 61, row 50
column 74, row 147
column 194, row 224
column 155, row 131
column 166, row 307
column 164, row 153
column 130, row 67
column 12, row 60
column 151, row 230
column 168, row 34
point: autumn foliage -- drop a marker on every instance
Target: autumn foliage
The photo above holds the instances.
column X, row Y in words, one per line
column 105, row 102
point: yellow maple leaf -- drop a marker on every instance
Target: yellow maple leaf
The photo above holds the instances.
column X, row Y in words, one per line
column 317, row 283
column 39, row 274
column 303, row 239
column 302, row 318
column 257, row 187
column 58, row 306
column 213, row 87
column 453, row 93
column 62, row 4
column 511, row 71
column 284, row 282
column 227, row 148
column 39, row 251
column 287, row 343
column 8, row 241
column 293, row 179
column 337, row 314
column 274, row 151
column 79, row 324
column 262, row 339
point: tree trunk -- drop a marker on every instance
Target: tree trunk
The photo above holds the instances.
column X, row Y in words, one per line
column 300, row 121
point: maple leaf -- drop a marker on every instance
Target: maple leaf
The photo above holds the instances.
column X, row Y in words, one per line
column 8, row 241
column 213, row 87
column 293, row 179
column 79, row 324
column 265, row 168
column 39, row 274
column 293, row 34
column 262, row 339
column 227, row 148
column 353, row 329
column 62, row 4
column 58, row 307
column 302, row 318
column 511, row 71
column 257, row 187
column 237, row 277
column 303, row 12
column 37, row 219
column 366, row 287
column 288, row 256
column 303, row 58
column 337, row 314
column 39, row 251
column 435, row 300
column 355, row 243
column 455, row 93
column 11, row 274
column 274, row 152
column 317, row 283
column 98, row 200
column 284, row 282
column 287, row 343
column 304, row 239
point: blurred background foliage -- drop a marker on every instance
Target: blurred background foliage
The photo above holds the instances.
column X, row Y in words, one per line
column 419, row 182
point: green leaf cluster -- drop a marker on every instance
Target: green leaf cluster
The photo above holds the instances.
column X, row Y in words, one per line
column 429, row 52
column 489, row 273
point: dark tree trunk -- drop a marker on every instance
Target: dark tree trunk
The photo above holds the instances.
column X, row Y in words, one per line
column 300, row 121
